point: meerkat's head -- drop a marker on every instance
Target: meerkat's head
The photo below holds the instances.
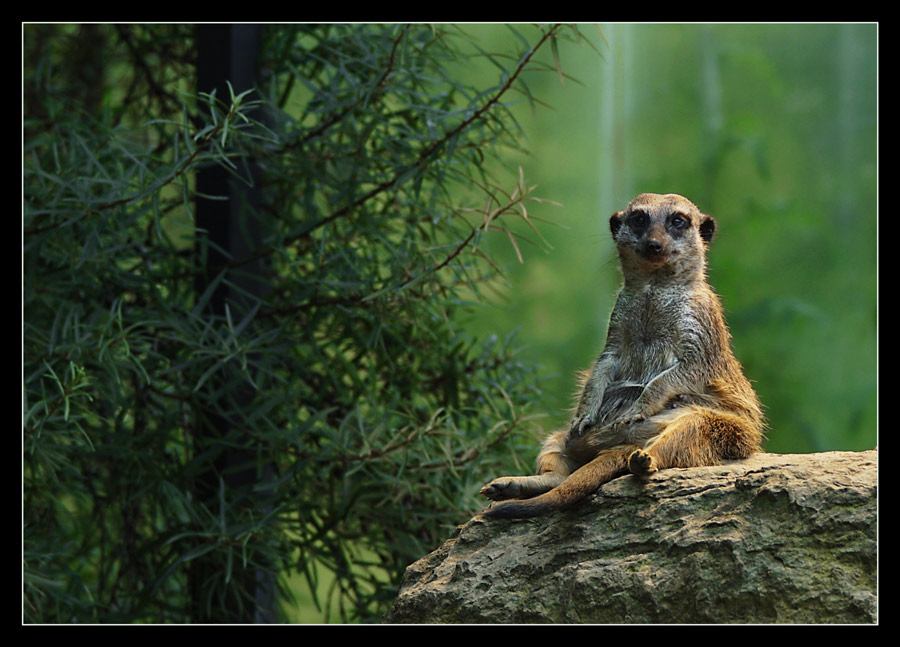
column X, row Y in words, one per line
column 662, row 234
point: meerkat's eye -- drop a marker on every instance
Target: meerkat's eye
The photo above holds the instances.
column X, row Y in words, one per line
column 638, row 220
column 678, row 221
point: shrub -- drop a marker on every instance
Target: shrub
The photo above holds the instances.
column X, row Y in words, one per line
column 204, row 415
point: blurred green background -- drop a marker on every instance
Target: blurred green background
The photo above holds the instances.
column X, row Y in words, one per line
column 772, row 129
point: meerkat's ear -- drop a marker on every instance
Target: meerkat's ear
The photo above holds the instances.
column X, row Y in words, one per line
column 707, row 228
column 615, row 222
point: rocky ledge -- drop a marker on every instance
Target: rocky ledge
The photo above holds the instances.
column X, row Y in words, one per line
column 777, row 538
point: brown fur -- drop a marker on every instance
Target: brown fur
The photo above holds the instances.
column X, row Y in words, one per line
column 667, row 390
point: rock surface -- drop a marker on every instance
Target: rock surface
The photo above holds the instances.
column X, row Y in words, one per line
column 777, row 538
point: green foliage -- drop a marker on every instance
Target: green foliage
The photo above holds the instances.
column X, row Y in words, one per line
column 770, row 128
column 367, row 417
column 374, row 399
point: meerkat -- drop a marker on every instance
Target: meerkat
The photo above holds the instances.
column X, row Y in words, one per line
column 667, row 390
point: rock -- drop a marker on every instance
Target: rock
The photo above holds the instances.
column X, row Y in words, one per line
column 777, row 538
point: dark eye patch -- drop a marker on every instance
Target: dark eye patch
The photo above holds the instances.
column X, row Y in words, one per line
column 638, row 221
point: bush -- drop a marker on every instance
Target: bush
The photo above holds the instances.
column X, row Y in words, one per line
column 204, row 416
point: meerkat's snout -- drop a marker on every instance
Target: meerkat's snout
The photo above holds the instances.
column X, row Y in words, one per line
column 653, row 248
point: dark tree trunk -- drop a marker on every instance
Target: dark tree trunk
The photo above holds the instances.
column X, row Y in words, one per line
column 227, row 53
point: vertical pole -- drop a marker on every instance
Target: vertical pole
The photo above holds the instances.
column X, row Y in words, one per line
column 227, row 53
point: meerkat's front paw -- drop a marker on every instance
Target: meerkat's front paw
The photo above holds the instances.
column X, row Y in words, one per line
column 581, row 424
column 641, row 463
column 627, row 421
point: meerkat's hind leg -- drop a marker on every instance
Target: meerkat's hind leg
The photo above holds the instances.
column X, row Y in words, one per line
column 647, row 432
column 696, row 437
column 581, row 484
column 553, row 467
column 521, row 487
